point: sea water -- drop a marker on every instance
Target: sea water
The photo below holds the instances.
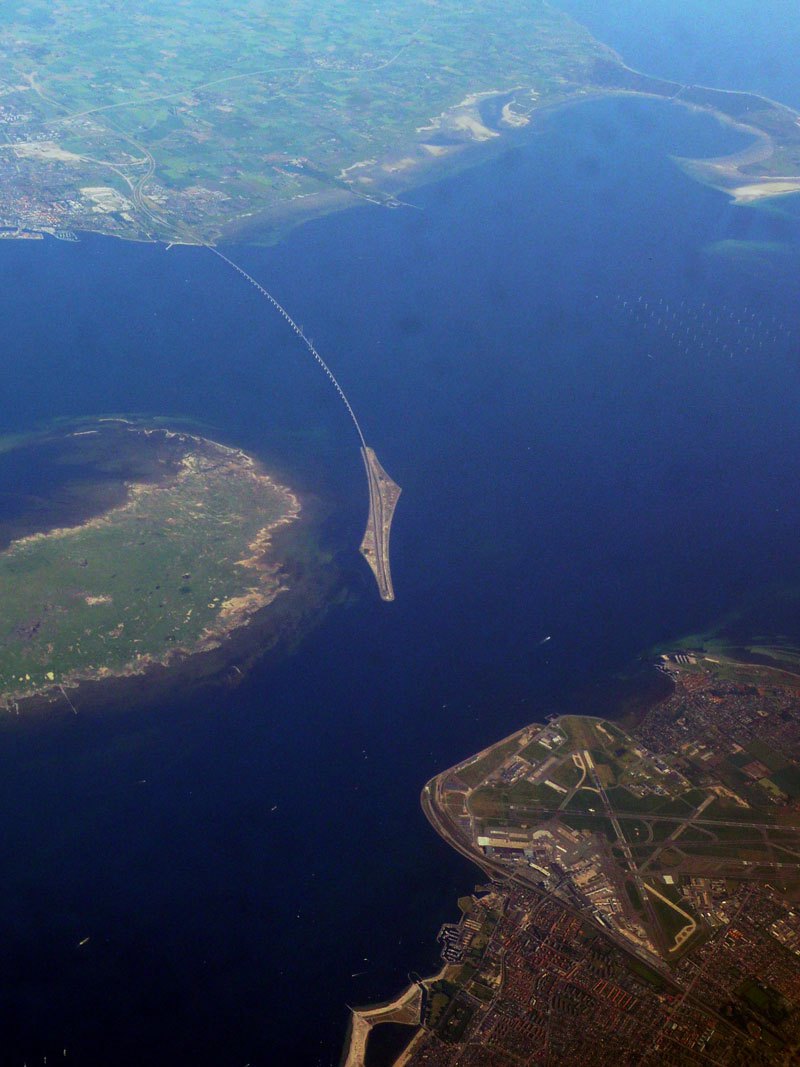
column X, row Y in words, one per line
column 247, row 864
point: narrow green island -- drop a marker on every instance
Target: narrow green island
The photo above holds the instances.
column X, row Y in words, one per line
column 135, row 545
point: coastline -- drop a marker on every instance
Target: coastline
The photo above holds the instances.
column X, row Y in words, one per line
column 362, row 1020
column 281, row 564
column 576, row 884
column 266, row 635
column 469, row 135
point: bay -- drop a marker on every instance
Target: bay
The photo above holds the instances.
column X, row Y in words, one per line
column 729, row 44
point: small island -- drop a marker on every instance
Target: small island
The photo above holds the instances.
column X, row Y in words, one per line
column 136, row 545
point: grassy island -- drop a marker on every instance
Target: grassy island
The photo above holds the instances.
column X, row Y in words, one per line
column 145, row 546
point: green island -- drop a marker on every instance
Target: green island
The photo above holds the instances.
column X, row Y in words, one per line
column 642, row 893
column 136, row 545
column 242, row 119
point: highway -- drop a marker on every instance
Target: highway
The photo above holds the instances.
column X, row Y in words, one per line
column 435, row 811
column 433, row 805
column 383, row 492
column 383, row 497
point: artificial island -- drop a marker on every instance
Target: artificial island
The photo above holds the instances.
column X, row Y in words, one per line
column 641, row 901
column 383, row 493
column 383, row 497
column 239, row 120
column 138, row 545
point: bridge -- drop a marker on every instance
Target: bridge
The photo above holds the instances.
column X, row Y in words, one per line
column 383, row 492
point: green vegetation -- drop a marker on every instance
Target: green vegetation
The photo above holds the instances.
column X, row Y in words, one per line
column 585, row 800
column 622, row 799
column 634, row 896
column 672, row 806
column 766, row 754
column 482, row 992
column 607, row 772
column 192, row 123
column 566, row 774
column 455, row 1020
column 544, row 796
column 172, row 566
column 475, row 772
column 671, row 921
column 663, row 830
column 647, row 974
column 613, row 753
column 697, row 834
column 536, row 752
column 788, row 780
column 182, row 121
column 582, row 732
column 523, row 792
column 441, row 993
column 669, row 857
column 767, row 1001
column 729, row 810
column 597, row 824
column 719, row 845
column 635, row 830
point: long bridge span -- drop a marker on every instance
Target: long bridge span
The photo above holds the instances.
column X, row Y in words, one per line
column 383, row 492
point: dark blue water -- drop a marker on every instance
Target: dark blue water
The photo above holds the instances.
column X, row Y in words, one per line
column 731, row 44
column 557, row 481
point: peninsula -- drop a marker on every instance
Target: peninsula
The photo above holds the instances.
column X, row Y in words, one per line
column 641, row 900
column 136, row 545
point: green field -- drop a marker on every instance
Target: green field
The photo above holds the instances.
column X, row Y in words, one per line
column 475, row 772
column 717, row 837
column 200, row 117
column 182, row 560
column 243, row 117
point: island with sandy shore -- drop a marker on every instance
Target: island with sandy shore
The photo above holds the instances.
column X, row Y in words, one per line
column 137, row 545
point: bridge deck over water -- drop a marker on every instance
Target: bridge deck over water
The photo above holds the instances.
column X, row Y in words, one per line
column 383, row 497
column 383, row 492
